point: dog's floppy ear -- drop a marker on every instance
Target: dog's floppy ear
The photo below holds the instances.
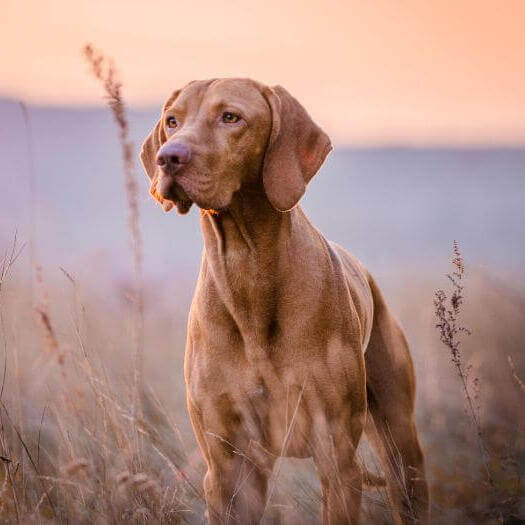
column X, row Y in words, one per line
column 296, row 149
column 148, row 154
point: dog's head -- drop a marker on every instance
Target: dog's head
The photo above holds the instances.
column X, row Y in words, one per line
column 214, row 137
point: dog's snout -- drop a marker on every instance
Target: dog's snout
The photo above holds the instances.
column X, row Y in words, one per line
column 172, row 155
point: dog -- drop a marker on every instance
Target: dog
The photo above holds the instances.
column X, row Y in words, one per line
column 291, row 349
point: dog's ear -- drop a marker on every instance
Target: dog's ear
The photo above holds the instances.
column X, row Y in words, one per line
column 296, row 149
column 148, row 154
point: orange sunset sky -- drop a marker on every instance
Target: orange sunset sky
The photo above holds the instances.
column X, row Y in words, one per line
column 369, row 71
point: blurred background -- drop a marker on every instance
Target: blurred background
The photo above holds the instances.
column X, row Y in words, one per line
column 425, row 104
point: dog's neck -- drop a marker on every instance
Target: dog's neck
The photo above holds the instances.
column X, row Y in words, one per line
column 247, row 249
column 249, row 226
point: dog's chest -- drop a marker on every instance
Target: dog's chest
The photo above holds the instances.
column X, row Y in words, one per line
column 257, row 404
column 267, row 400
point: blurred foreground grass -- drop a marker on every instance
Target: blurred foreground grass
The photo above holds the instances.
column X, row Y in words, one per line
column 72, row 452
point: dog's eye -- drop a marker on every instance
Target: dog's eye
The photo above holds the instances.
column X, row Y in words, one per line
column 230, row 118
column 171, row 122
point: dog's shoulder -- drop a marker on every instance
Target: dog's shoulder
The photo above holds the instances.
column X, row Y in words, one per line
column 351, row 264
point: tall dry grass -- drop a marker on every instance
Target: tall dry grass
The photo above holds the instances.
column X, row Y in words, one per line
column 448, row 310
column 76, row 408
column 79, row 439
column 105, row 71
column 504, row 490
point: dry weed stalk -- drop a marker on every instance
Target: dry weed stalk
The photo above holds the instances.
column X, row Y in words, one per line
column 6, row 264
column 104, row 70
column 45, row 319
column 31, row 187
column 515, row 375
column 8, row 260
column 448, row 311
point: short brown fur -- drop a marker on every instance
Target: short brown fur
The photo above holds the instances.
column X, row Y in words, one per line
column 291, row 348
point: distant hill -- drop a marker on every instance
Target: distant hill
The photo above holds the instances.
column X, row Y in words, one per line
column 388, row 206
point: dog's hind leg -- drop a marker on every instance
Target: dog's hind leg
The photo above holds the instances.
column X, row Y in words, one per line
column 390, row 385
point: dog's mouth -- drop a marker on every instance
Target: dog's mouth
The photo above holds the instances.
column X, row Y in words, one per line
column 174, row 195
column 183, row 207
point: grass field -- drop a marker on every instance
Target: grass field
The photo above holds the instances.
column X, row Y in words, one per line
column 72, row 450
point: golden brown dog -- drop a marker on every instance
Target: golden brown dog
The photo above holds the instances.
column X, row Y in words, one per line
column 291, row 348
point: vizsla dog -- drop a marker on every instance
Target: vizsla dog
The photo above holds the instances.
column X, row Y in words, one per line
column 291, row 350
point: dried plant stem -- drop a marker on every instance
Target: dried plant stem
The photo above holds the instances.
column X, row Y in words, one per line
column 450, row 330
column 32, row 192
column 104, row 70
column 32, row 263
column 7, row 464
column 30, row 457
column 515, row 375
column 8, row 260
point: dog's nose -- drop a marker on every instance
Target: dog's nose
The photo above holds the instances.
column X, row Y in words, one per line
column 173, row 155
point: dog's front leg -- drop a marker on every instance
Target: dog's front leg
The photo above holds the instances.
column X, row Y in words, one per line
column 236, row 479
column 235, row 492
column 341, row 483
column 335, row 441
